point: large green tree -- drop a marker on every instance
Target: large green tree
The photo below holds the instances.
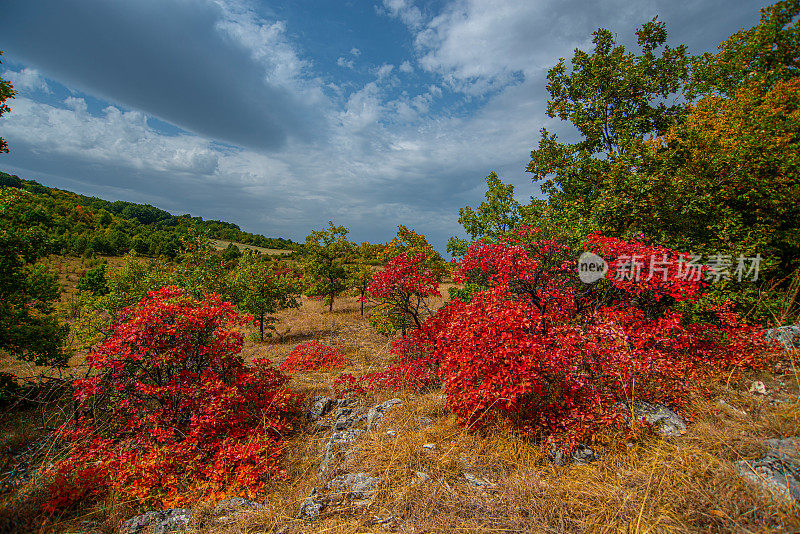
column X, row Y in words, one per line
column 29, row 327
column 616, row 99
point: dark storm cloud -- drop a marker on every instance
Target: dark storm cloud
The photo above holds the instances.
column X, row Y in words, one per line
column 162, row 57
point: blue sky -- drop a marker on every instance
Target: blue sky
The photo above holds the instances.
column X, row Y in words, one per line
column 282, row 116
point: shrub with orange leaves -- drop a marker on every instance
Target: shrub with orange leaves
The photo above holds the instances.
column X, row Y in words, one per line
column 172, row 413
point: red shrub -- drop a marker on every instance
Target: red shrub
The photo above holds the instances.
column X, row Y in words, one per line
column 555, row 357
column 314, row 356
column 173, row 414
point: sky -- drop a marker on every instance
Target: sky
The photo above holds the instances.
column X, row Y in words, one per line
column 281, row 116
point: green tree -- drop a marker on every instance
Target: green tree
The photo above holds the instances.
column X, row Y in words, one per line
column 360, row 277
column 231, row 253
column 262, row 288
column 94, row 281
column 493, row 218
column 29, row 328
column 326, row 254
column 616, row 100
column 6, row 91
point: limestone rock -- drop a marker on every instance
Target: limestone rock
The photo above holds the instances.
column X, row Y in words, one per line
column 358, row 485
column 664, row 421
column 375, row 413
column 160, row 522
column 311, row 506
column 319, row 406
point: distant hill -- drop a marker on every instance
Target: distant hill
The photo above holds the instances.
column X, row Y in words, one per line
column 78, row 225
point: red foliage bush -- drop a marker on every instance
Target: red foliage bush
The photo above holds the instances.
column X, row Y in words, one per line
column 559, row 359
column 173, row 414
column 312, row 356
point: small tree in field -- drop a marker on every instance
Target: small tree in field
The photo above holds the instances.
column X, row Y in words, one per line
column 262, row 288
column 172, row 413
column 401, row 291
column 325, row 264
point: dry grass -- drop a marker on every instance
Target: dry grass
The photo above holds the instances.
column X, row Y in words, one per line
column 221, row 244
column 683, row 485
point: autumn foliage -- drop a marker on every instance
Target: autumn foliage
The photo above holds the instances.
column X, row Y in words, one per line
column 313, row 356
column 171, row 413
column 537, row 349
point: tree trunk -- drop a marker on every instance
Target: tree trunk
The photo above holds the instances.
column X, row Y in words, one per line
column 261, row 325
column 330, row 304
column 362, row 303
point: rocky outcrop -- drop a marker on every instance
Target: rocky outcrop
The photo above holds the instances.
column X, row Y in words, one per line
column 778, row 471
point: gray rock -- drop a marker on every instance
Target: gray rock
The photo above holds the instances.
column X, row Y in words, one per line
column 235, row 503
column 582, row 454
column 776, row 472
column 375, row 413
column 787, row 336
column 758, row 388
column 358, row 485
column 664, row 421
column 160, row 522
column 311, row 506
column 319, row 406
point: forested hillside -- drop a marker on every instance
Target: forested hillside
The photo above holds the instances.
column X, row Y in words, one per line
column 77, row 225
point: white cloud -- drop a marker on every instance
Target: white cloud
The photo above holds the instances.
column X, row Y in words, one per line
column 406, row 67
column 27, row 80
column 346, row 63
column 384, row 70
column 406, row 11
column 114, row 137
column 355, row 52
column 480, row 46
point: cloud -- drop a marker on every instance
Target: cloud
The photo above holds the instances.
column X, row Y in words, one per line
column 347, row 63
column 115, row 137
column 406, row 67
column 384, row 70
column 406, row 11
column 355, row 52
column 213, row 68
column 27, row 80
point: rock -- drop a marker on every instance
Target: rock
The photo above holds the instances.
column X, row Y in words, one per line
column 479, row 481
column 311, row 506
column 160, row 522
column 375, row 413
column 777, row 472
column 664, row 421
column 582, row 454
column 787, row 336
column 235, row 503
column 340, row 443
column 358, row 485
column 429, row 446
column 319, row 406
column 424, row 421
column 758, row 388
column 391, row 433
